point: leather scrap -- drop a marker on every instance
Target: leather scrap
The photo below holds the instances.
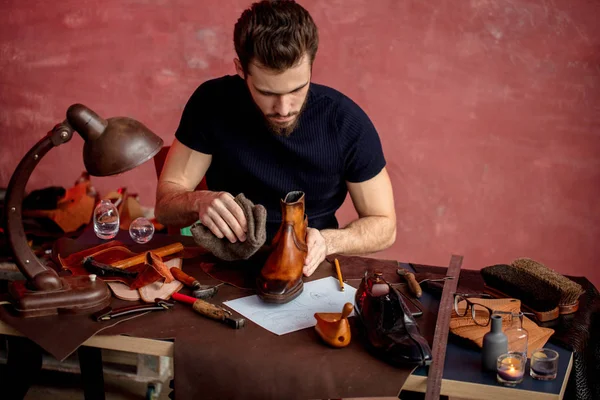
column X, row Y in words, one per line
column 155, row 270
column 162, row 290
column 149, row 292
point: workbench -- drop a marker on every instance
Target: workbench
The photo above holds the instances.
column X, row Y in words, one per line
column 462, row 376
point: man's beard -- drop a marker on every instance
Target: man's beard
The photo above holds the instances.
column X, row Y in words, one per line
column 278, row 129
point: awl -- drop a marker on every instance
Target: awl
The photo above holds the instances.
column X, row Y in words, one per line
column 210, row 310
column 413, row 285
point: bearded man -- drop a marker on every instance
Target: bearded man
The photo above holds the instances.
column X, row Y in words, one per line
column 269, row 130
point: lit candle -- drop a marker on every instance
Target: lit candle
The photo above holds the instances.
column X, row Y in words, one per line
column 510, row 368
column 511, row 373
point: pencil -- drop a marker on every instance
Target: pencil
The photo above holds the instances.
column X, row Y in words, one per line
column 339, row 274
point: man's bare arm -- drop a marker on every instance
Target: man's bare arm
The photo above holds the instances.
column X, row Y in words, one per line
column 182, row 172
column 178, row 204
column 374, row 230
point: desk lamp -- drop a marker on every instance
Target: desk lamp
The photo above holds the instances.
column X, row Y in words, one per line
column 111, row 146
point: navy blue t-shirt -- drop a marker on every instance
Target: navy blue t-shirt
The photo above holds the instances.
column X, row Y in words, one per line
column 334, row 142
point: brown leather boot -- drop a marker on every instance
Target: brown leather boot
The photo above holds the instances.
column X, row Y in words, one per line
column 280, row 279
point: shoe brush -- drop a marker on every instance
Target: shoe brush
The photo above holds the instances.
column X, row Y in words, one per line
column 540, row 289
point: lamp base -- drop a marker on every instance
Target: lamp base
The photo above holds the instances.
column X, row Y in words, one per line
column 79, row 294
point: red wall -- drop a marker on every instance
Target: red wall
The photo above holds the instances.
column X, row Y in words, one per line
column 489, row 110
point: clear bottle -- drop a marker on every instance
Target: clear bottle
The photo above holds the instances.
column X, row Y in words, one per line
column 517, row 335
column 106, row 220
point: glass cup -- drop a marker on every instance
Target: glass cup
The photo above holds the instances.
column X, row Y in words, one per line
column 544, row 364
column 141, row 230
column 106, row 220
column 511, row 368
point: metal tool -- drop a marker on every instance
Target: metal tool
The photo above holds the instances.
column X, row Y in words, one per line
column 102, row 269
column 440, row 338
column 413, row 285
column 210, row 310
column 436, row 280
column 206, row 291
column 110, row 313
column 199, row 291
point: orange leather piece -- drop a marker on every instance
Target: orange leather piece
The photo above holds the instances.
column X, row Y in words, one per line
column 280, row 279
column 155, row 270
column 73, row 210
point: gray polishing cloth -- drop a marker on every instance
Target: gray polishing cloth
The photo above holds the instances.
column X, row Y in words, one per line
column 256, row 217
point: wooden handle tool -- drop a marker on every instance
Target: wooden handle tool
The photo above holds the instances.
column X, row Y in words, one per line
column 184, row 278
column 413, row 285
column 210, row 310
column 140, row 258
column 199, row 291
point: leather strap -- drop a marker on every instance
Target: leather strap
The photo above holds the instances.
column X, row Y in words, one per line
column 110, row 313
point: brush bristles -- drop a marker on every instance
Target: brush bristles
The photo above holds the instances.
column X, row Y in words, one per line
column 569, row 290
column 521, row 285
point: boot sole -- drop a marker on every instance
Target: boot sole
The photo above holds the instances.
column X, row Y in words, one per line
column 282, row 298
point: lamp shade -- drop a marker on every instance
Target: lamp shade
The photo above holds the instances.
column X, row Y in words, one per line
column 112, row 146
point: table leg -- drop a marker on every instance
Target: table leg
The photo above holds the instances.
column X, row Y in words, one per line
column 90, row 362
column 23, row 364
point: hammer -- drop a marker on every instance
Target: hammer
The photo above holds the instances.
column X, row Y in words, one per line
column 210, row 310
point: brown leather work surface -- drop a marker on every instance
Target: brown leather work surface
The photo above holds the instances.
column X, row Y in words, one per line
column 59, row 335
column 215, row 361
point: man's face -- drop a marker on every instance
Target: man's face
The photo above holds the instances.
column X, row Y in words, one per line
column 280, row 96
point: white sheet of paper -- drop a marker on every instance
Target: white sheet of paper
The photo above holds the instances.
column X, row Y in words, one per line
column 322, row 295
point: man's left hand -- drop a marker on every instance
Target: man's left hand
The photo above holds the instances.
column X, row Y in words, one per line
column 317, row 250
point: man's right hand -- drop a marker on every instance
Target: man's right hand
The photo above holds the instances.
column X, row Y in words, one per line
column 219, row 212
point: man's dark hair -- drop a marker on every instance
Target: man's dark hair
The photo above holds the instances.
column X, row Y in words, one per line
column 276, row 34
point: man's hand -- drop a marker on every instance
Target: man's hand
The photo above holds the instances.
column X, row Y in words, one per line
column 219, row 212
column 317, row 250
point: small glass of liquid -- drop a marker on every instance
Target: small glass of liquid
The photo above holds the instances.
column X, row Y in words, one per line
column 106, row 220
column 141, row 230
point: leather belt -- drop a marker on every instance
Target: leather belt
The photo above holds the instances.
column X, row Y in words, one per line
column 109, row 313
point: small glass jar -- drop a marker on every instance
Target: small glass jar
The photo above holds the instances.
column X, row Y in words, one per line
column 141, row 230
column 544, row 364
column 510, row 368
column 106, row 220
column 517, row 335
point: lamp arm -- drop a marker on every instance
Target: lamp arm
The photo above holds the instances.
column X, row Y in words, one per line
column 42, row 277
